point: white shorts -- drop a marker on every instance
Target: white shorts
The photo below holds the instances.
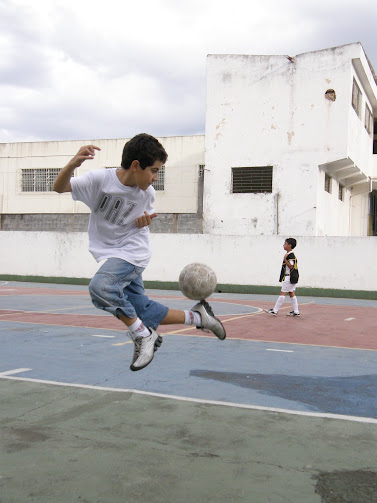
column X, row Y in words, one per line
column 287, row 286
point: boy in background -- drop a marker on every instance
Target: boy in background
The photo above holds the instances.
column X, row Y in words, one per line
column 289, row 278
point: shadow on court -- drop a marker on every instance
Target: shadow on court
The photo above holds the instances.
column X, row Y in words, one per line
column 244, row 420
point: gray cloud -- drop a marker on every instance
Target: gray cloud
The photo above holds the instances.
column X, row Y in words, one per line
column 84, row 69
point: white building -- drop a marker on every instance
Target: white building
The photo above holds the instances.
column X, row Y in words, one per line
column 289, row 144
column 288, row 150
column 28, row 171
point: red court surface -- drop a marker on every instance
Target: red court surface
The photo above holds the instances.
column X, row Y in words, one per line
column 329, row 325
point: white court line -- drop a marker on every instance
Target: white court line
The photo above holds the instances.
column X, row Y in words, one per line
column 10, row 372
column 198, row 400
column 105, row 336
column 281, row 350
column 349, row 319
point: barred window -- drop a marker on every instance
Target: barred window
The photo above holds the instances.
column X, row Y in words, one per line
column 341, row 192
column 328, row 183
column 38, row 180
column 252, row 180
column 368, row 122
column 160, row 184
column 356, row 98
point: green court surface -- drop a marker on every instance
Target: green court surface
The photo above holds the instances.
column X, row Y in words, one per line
column 66, row 444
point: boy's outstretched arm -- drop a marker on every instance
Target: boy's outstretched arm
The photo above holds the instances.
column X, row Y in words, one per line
column 62, row 182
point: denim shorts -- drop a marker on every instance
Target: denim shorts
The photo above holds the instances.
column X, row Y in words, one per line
column 117, row 287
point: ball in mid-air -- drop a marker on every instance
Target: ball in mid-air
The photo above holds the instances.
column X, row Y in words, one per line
column 197, row 281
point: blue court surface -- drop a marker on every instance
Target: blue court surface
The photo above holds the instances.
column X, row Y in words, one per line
column 239, row 420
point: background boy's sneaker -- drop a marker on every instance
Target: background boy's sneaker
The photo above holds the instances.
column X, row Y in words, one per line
column 270, row 311
column 209, row 321
column 144, row 349
column 292, row 313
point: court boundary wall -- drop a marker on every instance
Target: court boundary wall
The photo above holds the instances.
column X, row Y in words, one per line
column 329, row 266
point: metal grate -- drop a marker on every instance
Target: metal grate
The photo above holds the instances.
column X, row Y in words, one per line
column 356, row 98
column 160, row 184
column 252, row 180
column 38, row 180
column 328, row 183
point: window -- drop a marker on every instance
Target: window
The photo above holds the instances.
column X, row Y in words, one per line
column 201, row 170
column 356, row 98
column 328, row 183
column 160, row 184
column 341, row 192
column 38, row 180
column 252, row 180
column 368, row 122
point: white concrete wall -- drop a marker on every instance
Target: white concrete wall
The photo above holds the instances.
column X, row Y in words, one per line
column 333, row 215
column 272, row 111
column 185, row 154
column 324, row 262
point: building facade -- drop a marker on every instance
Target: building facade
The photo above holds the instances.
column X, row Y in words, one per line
column 290, row 144
column 28, row 171
column 290, row 148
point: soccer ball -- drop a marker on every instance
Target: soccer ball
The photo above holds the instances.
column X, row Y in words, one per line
column 197, row 281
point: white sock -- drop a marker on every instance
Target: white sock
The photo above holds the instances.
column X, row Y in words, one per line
column 193, row 318
column 139, row 329
column 279, row 303
column 294, row 304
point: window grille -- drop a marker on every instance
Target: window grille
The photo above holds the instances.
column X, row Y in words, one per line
column 252, row 180
column 38, row 180
column 368, row 119
column 201, row 170
column 356, row 98
column 341, row 192
column 328, row 183
column 160, row 184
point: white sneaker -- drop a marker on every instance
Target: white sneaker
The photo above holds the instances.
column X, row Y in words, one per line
column 292, row 313
column 270, row 311
column 209, row 321
column 144, row 349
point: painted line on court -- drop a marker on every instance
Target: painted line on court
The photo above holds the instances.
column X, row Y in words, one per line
column 281, row 350
column 11, row 372
column 197, row 400
column 104, row 336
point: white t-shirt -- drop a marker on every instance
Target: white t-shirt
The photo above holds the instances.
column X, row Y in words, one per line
column 114, row 209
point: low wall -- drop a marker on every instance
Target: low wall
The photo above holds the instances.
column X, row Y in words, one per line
column 324, row 262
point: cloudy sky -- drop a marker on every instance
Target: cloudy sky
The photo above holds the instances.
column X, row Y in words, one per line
column 84, row 69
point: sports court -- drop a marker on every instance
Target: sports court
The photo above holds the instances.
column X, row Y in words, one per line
column 283, row 410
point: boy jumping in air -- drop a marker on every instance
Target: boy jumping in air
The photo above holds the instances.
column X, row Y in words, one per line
column 121, row 203
column 288, row 277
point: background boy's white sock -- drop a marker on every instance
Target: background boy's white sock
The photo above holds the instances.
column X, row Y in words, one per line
column 139, row 329
column 193, row 318
column 294, row 304
column 279, row 303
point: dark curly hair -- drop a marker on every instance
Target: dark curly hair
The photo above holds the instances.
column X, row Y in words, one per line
column 143, row 148
column 292, row 242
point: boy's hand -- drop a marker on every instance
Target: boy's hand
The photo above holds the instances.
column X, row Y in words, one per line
column 144, row 220
column 85, row 153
